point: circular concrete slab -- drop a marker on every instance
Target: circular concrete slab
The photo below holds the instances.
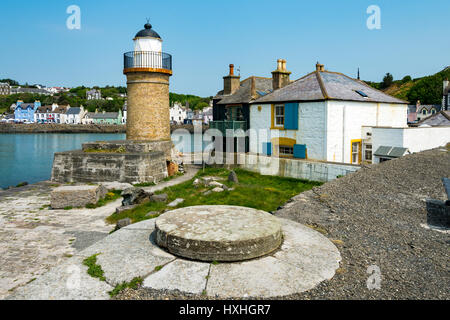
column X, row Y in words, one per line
column 218, row 233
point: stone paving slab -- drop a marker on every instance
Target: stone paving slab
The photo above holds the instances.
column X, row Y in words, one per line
column 34, row 239
column 182, row 275
column 128, row 254
column 67, row 281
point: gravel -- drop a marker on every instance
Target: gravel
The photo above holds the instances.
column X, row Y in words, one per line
column 376, row 217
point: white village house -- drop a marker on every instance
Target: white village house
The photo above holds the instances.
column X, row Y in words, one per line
column 75, row 115
column 177, row 113
column 320, row 117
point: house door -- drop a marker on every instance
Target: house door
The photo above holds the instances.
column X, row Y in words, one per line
column 356, row 152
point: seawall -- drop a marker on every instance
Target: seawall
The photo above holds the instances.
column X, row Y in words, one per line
column 74, row 128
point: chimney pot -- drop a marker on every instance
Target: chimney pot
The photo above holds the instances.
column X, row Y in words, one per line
column 320, row 67
column 231, row 69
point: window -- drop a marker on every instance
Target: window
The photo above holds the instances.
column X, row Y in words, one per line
column 424, row 111
column 286, row 151
column 433, row 111
column 368, row 152
column 279, row 116
column 361, row 93
column 356, row 151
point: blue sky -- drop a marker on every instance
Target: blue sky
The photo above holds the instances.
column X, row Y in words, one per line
column 205, row 36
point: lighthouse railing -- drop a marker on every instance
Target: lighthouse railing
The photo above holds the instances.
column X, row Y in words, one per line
column 147, row 59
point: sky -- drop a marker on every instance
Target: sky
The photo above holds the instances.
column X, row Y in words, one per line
column 204, row 37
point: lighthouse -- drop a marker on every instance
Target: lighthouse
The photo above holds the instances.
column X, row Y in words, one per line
column 147, row 152
column 148, row 70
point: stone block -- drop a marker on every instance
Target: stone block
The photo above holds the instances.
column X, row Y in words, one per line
column 119, row 210
column 133, row 196
column 76, row 196
column 159, row 197
column 175, row 202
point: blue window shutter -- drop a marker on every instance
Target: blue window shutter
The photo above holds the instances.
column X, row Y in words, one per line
column 300, row 151
column 291, row 116
column 267, row 148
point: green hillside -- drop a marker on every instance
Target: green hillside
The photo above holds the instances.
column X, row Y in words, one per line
column 426, row 89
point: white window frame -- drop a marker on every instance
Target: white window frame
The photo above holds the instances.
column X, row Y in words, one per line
column 276, row 117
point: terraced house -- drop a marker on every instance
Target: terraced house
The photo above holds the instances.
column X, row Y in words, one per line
column 322, row 116
column 103, row 117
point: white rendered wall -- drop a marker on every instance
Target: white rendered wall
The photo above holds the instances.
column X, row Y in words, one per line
column 414, row 139
column 346, row 119
column 312, row 124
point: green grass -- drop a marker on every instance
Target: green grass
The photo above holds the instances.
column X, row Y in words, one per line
column 145, row 184
column 68, row 208
column 133, row 284
column 254, row 191
column 110, row 196
column 94, row 270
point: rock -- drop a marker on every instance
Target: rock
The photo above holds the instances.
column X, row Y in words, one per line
column 152, row 213
column 197, row 182
column 76, row 196
column 207, row 193
column 175, row 202
column 123, row 223
column 125, row 208
column 224, row 187
column 159, row 197
column 102, row 191
column 207, row 180
column 233, row 177
column 22, row 184
column 217, row 189
column 116, row 185
column 215, row 184
column 133, row 196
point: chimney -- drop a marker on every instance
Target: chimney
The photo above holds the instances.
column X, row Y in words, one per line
column 280, row 77
column 320, row 67
column 418, row 104
column 231, row 82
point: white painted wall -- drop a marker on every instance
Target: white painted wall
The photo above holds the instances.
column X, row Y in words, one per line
column 312, row 124
column 415, row 139
column 346, row 119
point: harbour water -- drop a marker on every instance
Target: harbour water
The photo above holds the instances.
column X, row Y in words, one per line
column 29, row 157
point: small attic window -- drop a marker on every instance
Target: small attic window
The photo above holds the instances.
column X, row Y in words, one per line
column 361, row 93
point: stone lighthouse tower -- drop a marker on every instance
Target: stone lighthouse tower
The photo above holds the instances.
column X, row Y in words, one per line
column 148, row 70
column 147, row 152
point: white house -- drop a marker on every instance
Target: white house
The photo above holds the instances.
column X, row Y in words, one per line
column 74, row 115
column 321, row 116
column 177, row 113
column 94, row 94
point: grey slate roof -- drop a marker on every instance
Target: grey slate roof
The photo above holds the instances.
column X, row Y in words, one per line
column 106, row 115
column 326, row 85
column 44, row 109
column 244, row 93
column 73, row 111
column 26, row 105
column 440, row 119
column 428, row 107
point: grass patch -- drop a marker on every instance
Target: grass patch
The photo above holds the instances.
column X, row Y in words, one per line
column 158, row 268
column 118, row 150
column 145, row 184
column 94, row 270
column 110, row 196
column 178, row 174
column 133, row 284
column 256, row 191
column 68, row 208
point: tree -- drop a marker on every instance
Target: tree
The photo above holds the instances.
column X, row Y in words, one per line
column 387, row 81
column 406, row 79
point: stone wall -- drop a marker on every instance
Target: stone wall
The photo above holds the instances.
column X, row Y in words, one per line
column 148, row 114
column 79, row 166
column 60, row 128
